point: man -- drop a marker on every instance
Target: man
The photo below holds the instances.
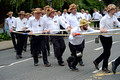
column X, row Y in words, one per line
column 11, row 25
column 96, row 17
column 52, row 25
column 88, row 16
column 76, row 43
column 65, row 14
column 20, row 24
column 107, row 22
column 115, row 64
column 73, row 20
column 38, row 42
column 83, row 12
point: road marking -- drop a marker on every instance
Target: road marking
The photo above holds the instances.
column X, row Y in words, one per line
column 96, row 71
column 89, row 41
column 2, row 66
column 102, row 47
column 20, row 61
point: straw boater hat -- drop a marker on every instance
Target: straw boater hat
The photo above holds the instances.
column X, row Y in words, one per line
column 72, row 6
column 21, row 13
column 27, row 14
column 110, row 7
column 49, row 11
column 38, row 10
column 59, row 12
column 65, row 10
column 82, row 10
column 47, row 6
column 10, row 12
column 83, row 22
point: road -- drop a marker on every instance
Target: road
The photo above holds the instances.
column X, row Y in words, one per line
column 23, row 69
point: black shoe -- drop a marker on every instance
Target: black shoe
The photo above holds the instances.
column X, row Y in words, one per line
column 81, row 63
column 47, row 65
column 96, row 65
column 61, row 63
column 106, row 70
column 69, row 63
column 114, row 67
column 18, row 56
column 74, row 69
column 35, row 64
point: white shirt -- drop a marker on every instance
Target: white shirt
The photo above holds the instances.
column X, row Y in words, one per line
column 108, row 22
column 77, row 40
column 11, row 22
column 85, row 15
column 96, row 15
column 36, row 26
column 117, row 14
column 20, row 24
column 54, row 24
column 88, row 17
column 74, row 20
column 65, row 15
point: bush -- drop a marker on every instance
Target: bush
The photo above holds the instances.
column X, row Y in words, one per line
column 4, row 36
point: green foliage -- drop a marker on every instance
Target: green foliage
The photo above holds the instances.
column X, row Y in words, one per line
column 4, row 36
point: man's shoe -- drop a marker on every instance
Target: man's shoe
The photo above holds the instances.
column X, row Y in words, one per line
column 20, row 56
column 47, row 65
column 96, row 65
column 106, row 70
column 114, row 67
column 69, row 63
column 35, row 64
column 74, row 69
column 61, row 64
column 81, row 63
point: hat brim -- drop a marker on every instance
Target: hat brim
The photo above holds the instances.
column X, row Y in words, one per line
column 84, row 24
column 21, row 13
column 48, row 13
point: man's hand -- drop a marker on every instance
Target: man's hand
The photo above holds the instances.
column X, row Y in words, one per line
column 23, row 29
column 11, row 30
column 73, row 34
column 31, row 32
column 69, row 28
column 103, row 30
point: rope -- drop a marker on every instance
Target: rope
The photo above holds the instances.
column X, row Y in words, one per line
column 96, row 32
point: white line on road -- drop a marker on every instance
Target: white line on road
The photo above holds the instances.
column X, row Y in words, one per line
column 20, row 61
column 89, row 41
column 2, row 66
column 102, row 47
column 96, row 71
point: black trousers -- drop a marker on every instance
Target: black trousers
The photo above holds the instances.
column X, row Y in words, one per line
column 13, row 36
column 117, row 61
column 107, row 44
column 20, row 43
column 96, row 24
column 25, row 43
column 47, row 43
column 38, row 42
column 74, row 50
column 59, row 47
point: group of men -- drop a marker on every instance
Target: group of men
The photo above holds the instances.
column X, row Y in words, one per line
column 47, row 22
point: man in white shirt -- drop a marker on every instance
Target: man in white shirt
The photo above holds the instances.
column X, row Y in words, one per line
column 83, row 12
column 73, row 20
column 96, row 16
column 74, row 17
column 52, row 25
column 107, row 22
column 76, row 43
column 11, row 25
column 38, row 42
column 88, row 16
column 20, row 24
column 65, row 14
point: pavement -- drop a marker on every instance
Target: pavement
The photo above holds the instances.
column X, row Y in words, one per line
column 6, row 45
